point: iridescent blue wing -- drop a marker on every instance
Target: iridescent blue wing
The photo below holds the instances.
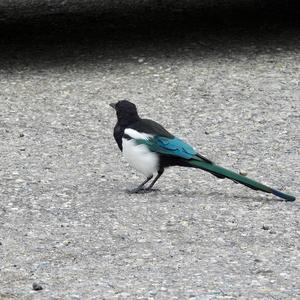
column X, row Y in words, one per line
column 169, row 146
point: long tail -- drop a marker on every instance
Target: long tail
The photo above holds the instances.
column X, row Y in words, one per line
column 224, row 173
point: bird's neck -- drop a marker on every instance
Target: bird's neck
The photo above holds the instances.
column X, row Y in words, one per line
column 126, row 121
column 120, row 127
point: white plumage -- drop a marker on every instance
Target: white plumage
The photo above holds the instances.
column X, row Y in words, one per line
column 137, row 135
column 139, row 156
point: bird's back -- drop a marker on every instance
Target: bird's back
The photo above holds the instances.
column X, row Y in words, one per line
column 151, row 127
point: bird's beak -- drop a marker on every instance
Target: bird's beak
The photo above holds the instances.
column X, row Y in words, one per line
column 113, row 105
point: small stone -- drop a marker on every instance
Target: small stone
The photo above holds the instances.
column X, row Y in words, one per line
column 36, row 287
column 184, row 223
column 67, row 242
column 21, row 135
column 153, row 292
column 265, row 227
column 19, row 180
column 141, row 60
column 243, row 173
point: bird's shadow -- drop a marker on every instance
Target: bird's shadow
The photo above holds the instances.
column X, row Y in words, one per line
column 161, row 194
column 157, row 29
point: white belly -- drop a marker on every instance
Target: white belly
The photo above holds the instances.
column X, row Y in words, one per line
column 140, row 157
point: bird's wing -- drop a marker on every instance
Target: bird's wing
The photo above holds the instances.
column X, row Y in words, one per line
column 159, row 140
column 151, row 127
column 171, row 146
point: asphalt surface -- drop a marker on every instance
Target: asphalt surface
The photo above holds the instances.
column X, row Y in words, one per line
column 68, row 229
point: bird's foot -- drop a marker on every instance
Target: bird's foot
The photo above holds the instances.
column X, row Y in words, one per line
column 137, row 190
column 140, row 190
column 149, row 190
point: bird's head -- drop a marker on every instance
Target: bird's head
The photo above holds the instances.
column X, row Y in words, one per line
column 126, row 111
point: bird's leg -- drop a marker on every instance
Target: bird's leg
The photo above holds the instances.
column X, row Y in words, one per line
column 159, row 173
column 140, row 187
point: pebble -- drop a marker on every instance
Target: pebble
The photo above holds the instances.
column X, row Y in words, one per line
column 243, row 173
column 153, row 292
column 36, row 287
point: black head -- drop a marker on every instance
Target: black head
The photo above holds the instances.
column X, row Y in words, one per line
column 126, row 111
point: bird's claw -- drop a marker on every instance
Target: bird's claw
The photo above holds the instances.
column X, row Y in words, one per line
column 141, row 190
column 135, row 191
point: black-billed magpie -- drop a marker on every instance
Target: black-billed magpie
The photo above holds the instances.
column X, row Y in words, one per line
column 150, row 148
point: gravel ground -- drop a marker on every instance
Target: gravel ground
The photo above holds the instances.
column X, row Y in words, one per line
column 66, row 224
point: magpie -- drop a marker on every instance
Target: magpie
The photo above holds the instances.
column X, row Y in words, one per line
column 150, row 148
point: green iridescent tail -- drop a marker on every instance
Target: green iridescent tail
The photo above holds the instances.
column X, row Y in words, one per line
column 222, row 172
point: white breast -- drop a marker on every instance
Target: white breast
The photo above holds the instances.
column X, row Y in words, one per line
column 139, row 156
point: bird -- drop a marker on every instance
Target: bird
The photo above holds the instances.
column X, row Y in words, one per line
column 150, row 149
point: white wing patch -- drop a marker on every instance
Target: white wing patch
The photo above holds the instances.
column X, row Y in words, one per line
column 137, row 135
column 139, row 156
